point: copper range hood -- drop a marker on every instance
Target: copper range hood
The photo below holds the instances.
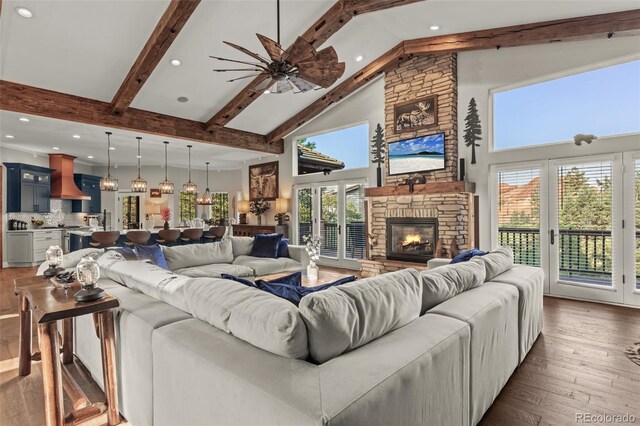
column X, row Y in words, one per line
column 62, row 184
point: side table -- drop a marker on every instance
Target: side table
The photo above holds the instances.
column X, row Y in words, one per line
column 51, row 304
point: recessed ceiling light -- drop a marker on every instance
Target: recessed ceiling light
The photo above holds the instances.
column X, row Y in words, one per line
column 55, row 148
column 8, row 136
column 434, row 27
column 183, row 99
column 176, row 62
column 25, row 119
column 112, row 148
column 359, row 58
column 89, row 157
column 76, row 136
column 24, row 12
column 266, row 92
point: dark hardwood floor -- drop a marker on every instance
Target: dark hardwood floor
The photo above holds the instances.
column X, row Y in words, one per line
column 577, row 366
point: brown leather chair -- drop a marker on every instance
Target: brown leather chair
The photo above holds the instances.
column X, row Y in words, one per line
column 191, row 235
column 216, row 233
column 168, row 236
column 137, row 237
column 102, row 239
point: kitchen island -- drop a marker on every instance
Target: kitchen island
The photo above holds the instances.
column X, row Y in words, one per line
column 80, row 239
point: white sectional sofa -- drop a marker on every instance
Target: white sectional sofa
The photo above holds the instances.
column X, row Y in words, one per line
column 404, row 348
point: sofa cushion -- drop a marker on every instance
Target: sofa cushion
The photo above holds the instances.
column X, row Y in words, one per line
column 266, row 245
column 198, row 254
column 351, row 315
column 283, row 248
column 127, row 252
column 215, row 270
column 264, row 266
column 151, row 252
column 252, row 315
column 241, row 246
column 498, row 261
column 447, row 281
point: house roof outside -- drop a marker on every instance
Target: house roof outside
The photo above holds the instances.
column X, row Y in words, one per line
column 310, row 161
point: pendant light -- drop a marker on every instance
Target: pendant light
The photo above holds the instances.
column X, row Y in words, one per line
column 205, row 198
column 190, row 187
column 139, row 184
column 166, row 187
column 108, row 183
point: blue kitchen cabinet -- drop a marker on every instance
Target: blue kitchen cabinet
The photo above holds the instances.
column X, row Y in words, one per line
column 90, row 185
column 28, row 188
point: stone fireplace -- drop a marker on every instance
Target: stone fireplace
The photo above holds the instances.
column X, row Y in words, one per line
column 411, row 239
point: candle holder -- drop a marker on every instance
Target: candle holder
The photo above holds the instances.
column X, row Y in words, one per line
column 54, row 257
column 87, row 274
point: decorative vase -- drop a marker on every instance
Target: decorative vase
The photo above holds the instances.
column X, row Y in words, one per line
column 312, row 271
column 166, row 225
column 259, row 219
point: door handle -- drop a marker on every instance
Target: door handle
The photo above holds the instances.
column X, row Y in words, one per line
column 339, row 229
column 552, row 235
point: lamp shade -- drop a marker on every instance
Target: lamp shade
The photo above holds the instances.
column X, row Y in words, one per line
column 243, row 206
column 282, row 205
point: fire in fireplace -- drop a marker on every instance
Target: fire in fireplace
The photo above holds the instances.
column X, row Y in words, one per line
column 411, row 239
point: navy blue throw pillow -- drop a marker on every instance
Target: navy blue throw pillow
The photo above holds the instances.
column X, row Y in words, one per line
column 266, row 245
column 244, row 281
column 152, row 253
column 467, row 255
column 283, row 248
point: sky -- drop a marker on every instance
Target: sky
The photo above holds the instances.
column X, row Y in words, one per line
column 424, row 143
column 602, row 102
column 350, row 145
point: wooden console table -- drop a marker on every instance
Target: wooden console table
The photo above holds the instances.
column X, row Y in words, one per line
column 50, row 304
column 251, row 230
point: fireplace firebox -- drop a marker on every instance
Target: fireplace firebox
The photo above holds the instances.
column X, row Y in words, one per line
column 411, row 239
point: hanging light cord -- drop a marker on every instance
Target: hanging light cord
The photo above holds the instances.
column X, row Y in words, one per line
column 138, row 156
column 189, row 146
column 207, row 175
column 278, row 19
column 108, row 154
column 165, row 160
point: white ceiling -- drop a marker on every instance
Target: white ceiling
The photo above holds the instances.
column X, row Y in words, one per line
column 41, row 134
column 87, row 47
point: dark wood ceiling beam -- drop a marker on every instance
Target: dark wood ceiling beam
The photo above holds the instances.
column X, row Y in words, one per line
column 171, row 23
column 581, row 28
column 317, row 34
column 42, row 102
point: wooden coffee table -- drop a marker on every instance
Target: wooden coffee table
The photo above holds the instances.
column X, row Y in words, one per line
column 324, row 277
column 50, row 304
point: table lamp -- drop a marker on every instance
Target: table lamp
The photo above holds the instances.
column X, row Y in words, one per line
column 87, row 274
column 54, row 257
column 243, row 209
column 282, row 207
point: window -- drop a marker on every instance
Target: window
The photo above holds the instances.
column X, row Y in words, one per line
column 340, row 150
column 187, row 206
column 220, row 206
column 602, row 102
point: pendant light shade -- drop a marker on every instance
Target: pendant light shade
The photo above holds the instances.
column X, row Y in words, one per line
column 139, row 184
column 166, row 187
column 190, row 187
column 108, row 183
column 205, row 198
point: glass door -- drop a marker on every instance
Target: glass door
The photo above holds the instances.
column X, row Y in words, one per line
column 356, row 233
column 631, row 228
column 330, row 228
column 585, row 234
column 303, row 206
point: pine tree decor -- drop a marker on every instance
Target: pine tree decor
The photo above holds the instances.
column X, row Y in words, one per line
column 472, row 129
column 378, row 151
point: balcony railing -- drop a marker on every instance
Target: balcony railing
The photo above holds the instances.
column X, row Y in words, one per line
column 356, row 239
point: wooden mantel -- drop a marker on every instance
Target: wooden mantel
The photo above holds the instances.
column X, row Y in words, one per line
column 426, row 188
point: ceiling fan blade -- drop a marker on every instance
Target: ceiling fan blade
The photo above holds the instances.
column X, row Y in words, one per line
column 327, row 55
column 301, row 50
column 239, row 69
column 243, row 77
column 273, row 49
column 247, row 52
column 263, row 85
column 322, row 75
column 239, row 62
column 301, row 85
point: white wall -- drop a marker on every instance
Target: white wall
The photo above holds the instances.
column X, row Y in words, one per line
column 364, row 106
column 481, row 71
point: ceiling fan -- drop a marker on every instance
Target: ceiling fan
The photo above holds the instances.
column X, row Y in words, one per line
column 300, row 68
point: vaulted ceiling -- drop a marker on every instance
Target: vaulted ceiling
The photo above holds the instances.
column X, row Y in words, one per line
column 86, row 48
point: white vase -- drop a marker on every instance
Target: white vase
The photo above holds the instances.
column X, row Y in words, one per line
column 312, row 271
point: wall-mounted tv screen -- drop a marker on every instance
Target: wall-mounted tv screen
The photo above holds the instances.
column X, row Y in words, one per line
column 421, row 154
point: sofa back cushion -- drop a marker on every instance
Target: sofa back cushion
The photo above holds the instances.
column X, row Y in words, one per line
column 198, row 254
column 445, row 282
column 351, row 315
column 259, row 318
column 497, row 262
column 241, row 246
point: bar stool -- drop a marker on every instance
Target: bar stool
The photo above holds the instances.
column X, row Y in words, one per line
column 103, row 239
column 168, row 236
column 137, row 237
column 216, row 233
column 191, row 235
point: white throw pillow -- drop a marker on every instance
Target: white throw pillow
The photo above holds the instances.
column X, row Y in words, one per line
column 242, row 246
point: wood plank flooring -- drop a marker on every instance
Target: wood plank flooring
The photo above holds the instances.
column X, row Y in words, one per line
column 576, row 366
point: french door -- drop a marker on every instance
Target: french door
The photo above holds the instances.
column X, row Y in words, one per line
column 578, row 219
column 335, row 212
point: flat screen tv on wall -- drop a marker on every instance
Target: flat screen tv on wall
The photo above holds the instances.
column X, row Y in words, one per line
column 421, row 154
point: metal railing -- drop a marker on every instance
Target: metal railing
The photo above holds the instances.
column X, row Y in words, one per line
column 355, row 234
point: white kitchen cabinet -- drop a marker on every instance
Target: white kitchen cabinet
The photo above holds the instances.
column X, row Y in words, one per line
column 28, row 248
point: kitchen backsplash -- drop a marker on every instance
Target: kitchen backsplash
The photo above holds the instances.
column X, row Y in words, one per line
column 60, row 212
